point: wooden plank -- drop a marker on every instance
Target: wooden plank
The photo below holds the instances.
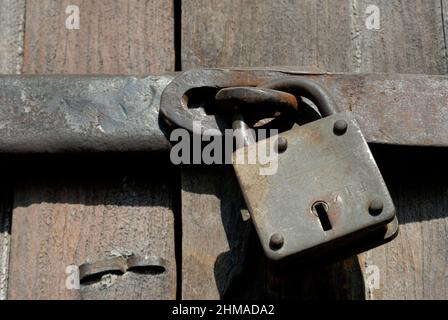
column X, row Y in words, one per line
column 110, row 204
column 211, row 216
column 218, row 34
column 115, row 37
column 5, row 236
column 414, row 265
column 69, row 218
column 328, row 36
column 411, row 39
column 12, row 15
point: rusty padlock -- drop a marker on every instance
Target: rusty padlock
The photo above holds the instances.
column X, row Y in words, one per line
column 328, row 197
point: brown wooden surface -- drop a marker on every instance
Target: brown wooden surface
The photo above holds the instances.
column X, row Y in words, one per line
column 12, row 15
column 211, row 217
column 65, row 216
column 115, row 37
column 61, row 218
column 329, row 36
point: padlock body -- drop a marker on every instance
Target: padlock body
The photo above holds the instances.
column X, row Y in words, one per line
column 323, row 197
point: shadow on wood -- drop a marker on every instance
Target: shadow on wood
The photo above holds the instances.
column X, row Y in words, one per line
column 234, row 255
column 414, row 172
column 407, row 169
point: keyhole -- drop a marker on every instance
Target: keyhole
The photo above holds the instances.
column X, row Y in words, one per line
column 320, row 209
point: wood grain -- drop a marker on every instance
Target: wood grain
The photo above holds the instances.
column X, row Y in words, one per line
column 414, row 265
column 115, row 37
column 12, row 16
column 211, row 217
column 67, row 213
column 332, row 36
column 5, row 235
column 411, row 38
column 65, row 218
column 327, row 35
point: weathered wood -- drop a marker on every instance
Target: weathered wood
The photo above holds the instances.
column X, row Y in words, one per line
column 66, row 218
column 328, row 36
column 12, row 15
column 211, row 217
column 222, row 33
column 61, row 218
column 5, row 235
column 115, row 37
column 411, row 39
column 414, row 265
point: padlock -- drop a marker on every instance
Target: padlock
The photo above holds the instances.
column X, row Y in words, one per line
column 328, row 197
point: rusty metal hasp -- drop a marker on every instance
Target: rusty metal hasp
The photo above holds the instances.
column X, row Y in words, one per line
column 58, row 114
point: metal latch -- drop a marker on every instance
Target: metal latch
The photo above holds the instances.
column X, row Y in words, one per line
column 93, row 272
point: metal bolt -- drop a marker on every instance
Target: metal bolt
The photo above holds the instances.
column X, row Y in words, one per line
column 340, row 127
column 376, row 207
column 277, row 241
column 282, row 145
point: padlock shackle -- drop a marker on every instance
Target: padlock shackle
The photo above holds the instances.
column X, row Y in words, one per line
column 242, row 131
column 301, row 87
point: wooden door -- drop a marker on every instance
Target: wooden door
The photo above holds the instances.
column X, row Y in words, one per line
column 64, row 210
